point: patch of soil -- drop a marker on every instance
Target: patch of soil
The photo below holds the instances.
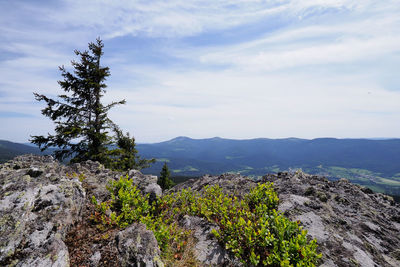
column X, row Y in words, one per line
column 86, row 239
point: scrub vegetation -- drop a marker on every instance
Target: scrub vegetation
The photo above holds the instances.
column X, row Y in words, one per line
column 251, row 228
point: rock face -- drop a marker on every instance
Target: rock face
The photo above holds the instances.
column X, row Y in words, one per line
column 145, row 183
column 353, row 226
column 207, row 249
column 230, row 183
column 96, row 178
column 137, row 246
column 38, row 206
column 41, row 201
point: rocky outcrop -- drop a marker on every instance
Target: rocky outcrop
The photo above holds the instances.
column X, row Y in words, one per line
column 96, row 178
column 232, row 184
column 42, row 200
column 353, row 226
column 38, row 206
column 145, row 183
column 137, row 246
column 207, row 250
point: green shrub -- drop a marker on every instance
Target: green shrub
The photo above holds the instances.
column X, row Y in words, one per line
column 250, row 228
column 128, row 205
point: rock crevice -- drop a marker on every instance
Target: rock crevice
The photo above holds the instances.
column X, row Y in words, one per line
column 41, row 201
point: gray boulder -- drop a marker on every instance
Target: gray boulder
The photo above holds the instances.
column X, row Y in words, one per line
column 38, row 206
column 94, row 176
column 352, row 225
column 146, row 183
column 232, row 184
column 41, row 200
column 207, row 250
column 153, row 189
column 137, row 246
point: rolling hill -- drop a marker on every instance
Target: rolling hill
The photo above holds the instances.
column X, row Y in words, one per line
column 9, row 150
column 374, row 163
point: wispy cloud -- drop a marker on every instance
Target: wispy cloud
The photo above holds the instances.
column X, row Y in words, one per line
column 239, row 69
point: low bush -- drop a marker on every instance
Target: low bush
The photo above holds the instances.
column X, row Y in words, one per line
column 251, row 228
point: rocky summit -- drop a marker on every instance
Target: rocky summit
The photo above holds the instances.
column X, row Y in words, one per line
column 353, row 225
column 45, row 209
column 42, row 200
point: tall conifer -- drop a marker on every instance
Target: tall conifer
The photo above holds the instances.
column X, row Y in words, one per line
column 82, row 124
column 164, row 180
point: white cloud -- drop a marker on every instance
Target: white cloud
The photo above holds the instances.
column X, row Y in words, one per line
column 180, row 18
column 253, row 106
column 317, row 71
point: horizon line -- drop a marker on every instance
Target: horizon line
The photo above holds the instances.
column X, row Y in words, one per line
column 244, row 139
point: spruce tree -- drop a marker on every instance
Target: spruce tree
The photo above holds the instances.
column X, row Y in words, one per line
column 164, row 180
column 125, row 156
column 81, row 121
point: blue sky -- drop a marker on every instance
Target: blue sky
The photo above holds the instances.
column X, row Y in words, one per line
column 234, row 69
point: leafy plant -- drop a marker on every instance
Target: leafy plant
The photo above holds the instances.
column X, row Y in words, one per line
column 250, row 227
column 128, row 205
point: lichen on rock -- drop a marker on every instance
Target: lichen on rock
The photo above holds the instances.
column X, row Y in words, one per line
column 36, row 212
column 42, row 201
column 352, row 224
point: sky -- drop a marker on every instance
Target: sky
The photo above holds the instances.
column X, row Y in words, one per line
column 235, row 69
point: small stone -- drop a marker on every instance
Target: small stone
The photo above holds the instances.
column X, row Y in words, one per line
column 309, row 191
column 367, row 190
column 95, row 259
column 322, row 196
column 34, row 172
column 153, row 188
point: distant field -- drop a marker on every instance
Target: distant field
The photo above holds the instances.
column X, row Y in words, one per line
column 373, row 180
column 372, row 163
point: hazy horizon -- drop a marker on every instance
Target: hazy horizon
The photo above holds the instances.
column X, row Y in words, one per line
column 215, row 137
column 235, row 69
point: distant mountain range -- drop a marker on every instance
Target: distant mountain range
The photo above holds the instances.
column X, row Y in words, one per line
column 9, row 150
column 371, row 162
column 258, row 155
